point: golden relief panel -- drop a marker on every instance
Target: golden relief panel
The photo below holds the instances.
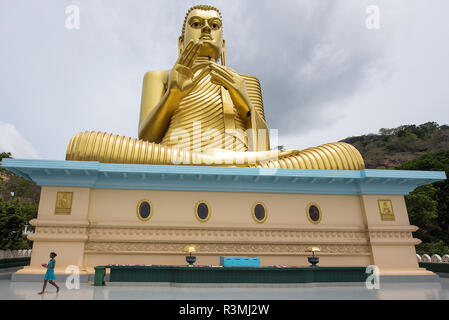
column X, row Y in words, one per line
column 386, row 210
column 63, row 203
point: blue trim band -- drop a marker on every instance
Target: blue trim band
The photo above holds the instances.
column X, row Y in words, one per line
column 94, row 174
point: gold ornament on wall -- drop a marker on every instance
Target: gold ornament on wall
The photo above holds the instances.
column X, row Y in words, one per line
column 63, row 203
column 386, row 210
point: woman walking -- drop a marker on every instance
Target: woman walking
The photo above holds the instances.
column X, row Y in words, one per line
column 50, row 274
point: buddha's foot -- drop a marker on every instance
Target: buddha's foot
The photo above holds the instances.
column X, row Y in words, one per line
column 109, row 148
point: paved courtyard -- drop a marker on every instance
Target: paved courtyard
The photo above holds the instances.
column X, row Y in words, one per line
column 422, row 291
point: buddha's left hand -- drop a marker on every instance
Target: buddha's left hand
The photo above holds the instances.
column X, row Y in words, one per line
column 235, row 85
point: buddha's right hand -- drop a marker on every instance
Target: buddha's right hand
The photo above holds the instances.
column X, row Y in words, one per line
column 181, row 79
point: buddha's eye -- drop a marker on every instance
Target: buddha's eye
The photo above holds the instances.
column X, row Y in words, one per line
column 195, row 24
column 215, row 25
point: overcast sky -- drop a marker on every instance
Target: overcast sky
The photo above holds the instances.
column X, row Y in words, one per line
column 325, row 75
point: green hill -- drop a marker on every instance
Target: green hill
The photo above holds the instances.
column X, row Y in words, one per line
column 412, row 147
column 393, row 147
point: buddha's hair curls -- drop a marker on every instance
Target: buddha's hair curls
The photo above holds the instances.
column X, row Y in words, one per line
column 200, row 7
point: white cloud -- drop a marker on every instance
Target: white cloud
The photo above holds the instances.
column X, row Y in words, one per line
column 12, row 141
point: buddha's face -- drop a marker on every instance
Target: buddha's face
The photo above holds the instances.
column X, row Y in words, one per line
column 205, row 26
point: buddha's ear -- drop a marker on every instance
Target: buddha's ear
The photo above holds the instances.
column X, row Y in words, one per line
column 180, row 44
column 223, row 53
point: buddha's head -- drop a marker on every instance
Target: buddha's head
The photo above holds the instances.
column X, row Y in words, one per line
column 203, row 23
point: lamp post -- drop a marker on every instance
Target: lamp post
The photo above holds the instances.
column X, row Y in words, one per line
column 26, row 231
column 313, row 260
column 189, row 249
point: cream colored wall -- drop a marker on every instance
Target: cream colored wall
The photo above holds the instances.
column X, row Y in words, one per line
column 228, row 208
column 392, row 243
column 64, row 234
column 373, row 216
column 395, row 256
column 68, row 253
column 104, row 228
column 80, row 203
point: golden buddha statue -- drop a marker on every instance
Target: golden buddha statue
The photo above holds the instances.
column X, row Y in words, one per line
column 204, row 113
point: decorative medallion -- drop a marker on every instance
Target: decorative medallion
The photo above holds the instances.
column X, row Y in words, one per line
column 259, row 212
column 202, row 211
column 144, row 210
column 313, row 212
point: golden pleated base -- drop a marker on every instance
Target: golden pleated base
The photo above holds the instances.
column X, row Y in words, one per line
column 329, row 156
column 109, row 148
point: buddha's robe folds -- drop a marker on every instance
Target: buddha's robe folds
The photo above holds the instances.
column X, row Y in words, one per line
column 209, row 111
column 203, row 111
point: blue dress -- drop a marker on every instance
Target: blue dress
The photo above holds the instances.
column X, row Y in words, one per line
column 50, row 274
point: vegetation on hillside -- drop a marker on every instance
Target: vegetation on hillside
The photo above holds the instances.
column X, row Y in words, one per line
column 416, row 147
column 428, row 205
column 14, row 215
column 22, row 188
column 16, row 209
column 393, row 147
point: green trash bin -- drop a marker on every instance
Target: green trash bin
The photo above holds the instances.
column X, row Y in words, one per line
column 100, row 272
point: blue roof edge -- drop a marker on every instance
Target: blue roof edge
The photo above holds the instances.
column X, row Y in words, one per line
column 96, row 174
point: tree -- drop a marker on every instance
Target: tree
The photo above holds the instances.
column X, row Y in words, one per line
column 438, row 247
column 428, row 205
column 3, row 172
column 422, row 209
column 14, row 214
column 16, row 211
